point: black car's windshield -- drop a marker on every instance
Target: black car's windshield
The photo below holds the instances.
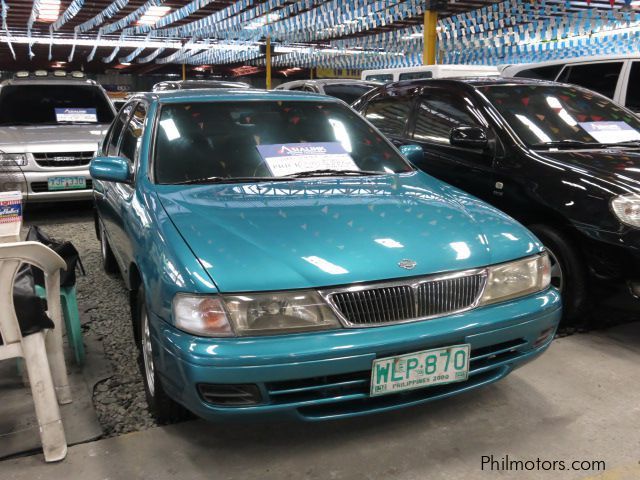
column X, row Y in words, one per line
column 346, row 92
column 203, row 142
column 556, row 116
column 49, row 104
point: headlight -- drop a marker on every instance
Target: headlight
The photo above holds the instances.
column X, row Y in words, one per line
column 253, row 313
column 516, row 279
column 627, row 209
column 13, row 159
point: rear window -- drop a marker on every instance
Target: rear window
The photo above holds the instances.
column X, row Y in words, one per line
column 380, row 77
column 223, row 140
column 53, row 104
column 347, row 93
column 415, row 75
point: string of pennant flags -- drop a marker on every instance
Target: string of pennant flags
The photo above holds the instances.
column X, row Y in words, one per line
column 511, row 31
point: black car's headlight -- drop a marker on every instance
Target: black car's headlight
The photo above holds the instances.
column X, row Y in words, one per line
column 627, row 209
column 269, row 313
column 516, row 279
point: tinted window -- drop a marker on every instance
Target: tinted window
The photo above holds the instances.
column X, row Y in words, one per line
column 542, row 73
column 220, row 139
column 132, row 133
column 633, row 88
column 379, row 77
column 438, row 113
column 414, row 75
column 37, row 104
column 347, row 93
column 389, row 115
column 116, row 129
column 600, row 77
column 543, row 114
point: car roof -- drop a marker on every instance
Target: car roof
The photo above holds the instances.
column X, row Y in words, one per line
column 331, row 81
column 49, row 81
column 472, row 81
column 564, row 61
column 235, row 94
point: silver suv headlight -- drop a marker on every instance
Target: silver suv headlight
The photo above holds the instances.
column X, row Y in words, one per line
column 13, row 159
column 627, row 209
column 269, row 313
column 516, row 279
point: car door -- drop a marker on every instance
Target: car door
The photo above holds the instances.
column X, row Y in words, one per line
column 602, row 77
column 120, row 195
column 437, row 111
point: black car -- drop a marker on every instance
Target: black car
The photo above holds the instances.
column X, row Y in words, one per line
column 563, row 160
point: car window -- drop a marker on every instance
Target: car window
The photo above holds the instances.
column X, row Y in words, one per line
column 633, row 88
column 380, row 77
column 439, row 112
column 50, row 104
column 346, row 92
column 133, row 133
column 116, row 129
column 415, row 75
column 389, row 115
column 222, row 139
column 550, row 72
column 599, row 77
column 550, row 116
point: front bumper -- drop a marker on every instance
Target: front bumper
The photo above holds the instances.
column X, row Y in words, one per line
column 325, row 375
column 34, row 185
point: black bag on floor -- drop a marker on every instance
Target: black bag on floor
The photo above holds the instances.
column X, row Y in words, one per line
column 63, row 248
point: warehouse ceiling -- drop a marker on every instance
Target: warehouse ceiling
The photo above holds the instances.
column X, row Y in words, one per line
column 143, row 36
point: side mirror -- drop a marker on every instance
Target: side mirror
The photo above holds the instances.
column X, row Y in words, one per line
column 110, row 169
column 469, row 137
column 413, row 153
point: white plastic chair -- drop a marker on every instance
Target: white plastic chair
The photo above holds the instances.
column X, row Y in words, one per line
column 42, row 351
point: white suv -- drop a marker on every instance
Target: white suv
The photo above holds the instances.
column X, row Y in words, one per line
column 50, row 127
column 616, row 77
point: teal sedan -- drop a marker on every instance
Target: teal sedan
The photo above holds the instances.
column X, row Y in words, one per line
column 284, row 259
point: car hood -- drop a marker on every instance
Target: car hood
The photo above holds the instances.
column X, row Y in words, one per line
column 317, row 233
column 51, row 138
column 618, row 165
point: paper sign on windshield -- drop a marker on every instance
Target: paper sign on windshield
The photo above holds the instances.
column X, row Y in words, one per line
column 290, row 158
column 76, row 115
column 610, row 132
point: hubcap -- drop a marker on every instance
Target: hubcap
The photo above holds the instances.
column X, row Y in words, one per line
column 147, row 353
column 557, row 277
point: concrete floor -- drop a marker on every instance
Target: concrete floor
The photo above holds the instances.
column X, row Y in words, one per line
column 579, row 401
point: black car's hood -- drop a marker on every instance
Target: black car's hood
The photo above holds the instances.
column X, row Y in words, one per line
column 618, row 165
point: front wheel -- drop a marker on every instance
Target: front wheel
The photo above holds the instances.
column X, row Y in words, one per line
column 568, row 271
column 163, row 408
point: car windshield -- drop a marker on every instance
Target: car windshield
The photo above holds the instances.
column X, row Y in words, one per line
column 213, row 141
column 550, row 116
column 53, row 104
column 347, row 93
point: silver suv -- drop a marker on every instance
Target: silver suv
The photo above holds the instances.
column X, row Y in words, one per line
column 50, row 127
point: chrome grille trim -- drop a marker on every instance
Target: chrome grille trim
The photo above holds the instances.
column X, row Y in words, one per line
column 403, row 301
column 62, row 159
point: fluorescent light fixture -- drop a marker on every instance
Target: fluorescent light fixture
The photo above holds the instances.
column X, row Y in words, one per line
column 152, row 15
column 389, row 242
column 325, row 265
column 49, row 10
column 170, row 129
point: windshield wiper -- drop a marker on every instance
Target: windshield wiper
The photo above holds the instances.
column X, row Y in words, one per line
column 327, row 172
column 626, row 143
column 569, row 144
column 203, row 180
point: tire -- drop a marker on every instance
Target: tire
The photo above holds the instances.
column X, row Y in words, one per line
column 108, row 259
column 568, row 272
column 163, row 408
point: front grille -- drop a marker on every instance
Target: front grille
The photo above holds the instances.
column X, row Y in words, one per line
column 38, row 187
column 397, row 303
column 62, row 159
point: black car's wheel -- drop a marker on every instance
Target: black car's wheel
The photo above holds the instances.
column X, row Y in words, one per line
column 162, row 407
column 568, row 271
column 108, row 259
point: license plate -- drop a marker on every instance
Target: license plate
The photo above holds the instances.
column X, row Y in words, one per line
column 420, row 369
column 67, row 183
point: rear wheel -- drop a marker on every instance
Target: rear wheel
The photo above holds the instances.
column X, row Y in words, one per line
column 108, row 259
column 568, row 271
column 163, row 408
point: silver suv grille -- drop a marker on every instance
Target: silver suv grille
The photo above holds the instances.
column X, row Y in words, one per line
column 405, row 301
column 63, row 159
